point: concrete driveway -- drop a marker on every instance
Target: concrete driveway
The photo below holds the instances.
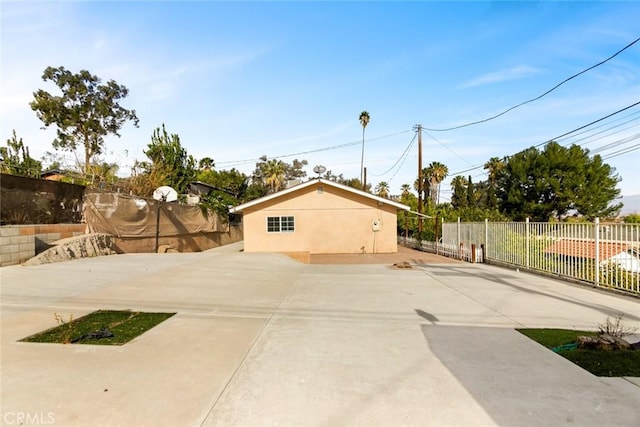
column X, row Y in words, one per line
column 262, row 340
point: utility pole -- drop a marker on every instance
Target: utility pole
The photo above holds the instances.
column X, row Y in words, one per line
column 418, row 128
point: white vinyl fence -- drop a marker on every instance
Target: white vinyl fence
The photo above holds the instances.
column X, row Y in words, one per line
column 606, row 255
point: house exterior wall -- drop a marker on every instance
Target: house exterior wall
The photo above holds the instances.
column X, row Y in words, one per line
column 328, row 221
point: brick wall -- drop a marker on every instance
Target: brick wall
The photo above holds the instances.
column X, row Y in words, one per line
column 18, row 243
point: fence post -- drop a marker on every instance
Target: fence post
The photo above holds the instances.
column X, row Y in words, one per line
column 436, row 233
column 473, row 253
column 486, row 239
column 528, row 234
column 596, row 230
column 458, row 233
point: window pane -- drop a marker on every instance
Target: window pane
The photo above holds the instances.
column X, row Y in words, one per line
column 288, row 223
column 273, row 224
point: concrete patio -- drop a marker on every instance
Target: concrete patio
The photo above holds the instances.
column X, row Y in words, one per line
column 263, row 340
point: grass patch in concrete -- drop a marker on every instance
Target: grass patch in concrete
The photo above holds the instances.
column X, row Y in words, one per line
column 102, row 327
column 602, row 363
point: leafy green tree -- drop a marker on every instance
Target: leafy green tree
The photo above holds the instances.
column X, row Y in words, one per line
column 459, row 193
column 555, row 182
column 206, row 163
column 15, row 159
column 295, row 170
column 407, row 221
column 230, row 182
column 632, row 219
column 85, row 113
column 471, row 192
column 349, row 182
column 102, row 173
column 53, row 159
column 229, row 189
column 170, row 164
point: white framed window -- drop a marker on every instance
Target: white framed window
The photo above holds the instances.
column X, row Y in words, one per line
column 281, row 224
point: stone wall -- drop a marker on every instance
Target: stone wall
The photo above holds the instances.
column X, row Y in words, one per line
column 18, row 243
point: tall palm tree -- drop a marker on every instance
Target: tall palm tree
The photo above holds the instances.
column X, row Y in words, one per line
column 364, row 121
column 382, row 189
column 405, row 188
column 273, row 174
column 494, row 166
column 436, row 173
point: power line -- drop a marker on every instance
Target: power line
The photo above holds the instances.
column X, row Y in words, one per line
column 616, row 143
column 448, row 148
column 539, row 96
column 603, row 134
column 605, row 124
column 317, row 150
column 399, row 167
column 561, row 136
column 621, row 152
column 588, row 124
column 404, row 153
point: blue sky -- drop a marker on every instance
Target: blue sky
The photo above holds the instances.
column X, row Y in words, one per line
column 238, row 80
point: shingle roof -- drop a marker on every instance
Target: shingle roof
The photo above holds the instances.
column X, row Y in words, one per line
column 587, row 249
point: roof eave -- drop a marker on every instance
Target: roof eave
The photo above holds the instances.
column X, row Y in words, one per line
column 240, row 208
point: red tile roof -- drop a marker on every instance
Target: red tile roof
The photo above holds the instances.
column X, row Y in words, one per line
column 587, row 249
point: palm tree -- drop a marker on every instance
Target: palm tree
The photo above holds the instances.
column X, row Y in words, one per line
column 436, row 173
column 273, row 174
column 364, row 121
column 494, row 166
column 405, row 188
column 382, row 189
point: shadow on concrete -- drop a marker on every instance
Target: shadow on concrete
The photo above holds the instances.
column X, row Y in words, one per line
column 520, row 383
column 428, row 316
column 442, row 272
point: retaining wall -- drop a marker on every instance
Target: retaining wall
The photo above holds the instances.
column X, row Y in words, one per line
column 18, row 243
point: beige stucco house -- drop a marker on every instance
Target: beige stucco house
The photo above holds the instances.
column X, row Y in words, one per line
column 320, row 217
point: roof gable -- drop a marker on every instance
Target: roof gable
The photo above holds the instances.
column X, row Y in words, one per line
column 311, row 182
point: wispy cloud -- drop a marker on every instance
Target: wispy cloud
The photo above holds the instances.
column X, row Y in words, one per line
column 514, row 73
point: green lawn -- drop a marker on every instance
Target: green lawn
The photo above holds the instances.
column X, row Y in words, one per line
column 124, row 325
column 602, row 363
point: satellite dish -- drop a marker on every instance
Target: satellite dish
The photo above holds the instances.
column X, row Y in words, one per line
column 165, row 194
column 319, row 169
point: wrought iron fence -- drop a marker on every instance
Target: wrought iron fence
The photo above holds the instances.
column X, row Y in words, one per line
column 605, row 254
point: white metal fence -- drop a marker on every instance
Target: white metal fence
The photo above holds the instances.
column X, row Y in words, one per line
column 606, row 255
